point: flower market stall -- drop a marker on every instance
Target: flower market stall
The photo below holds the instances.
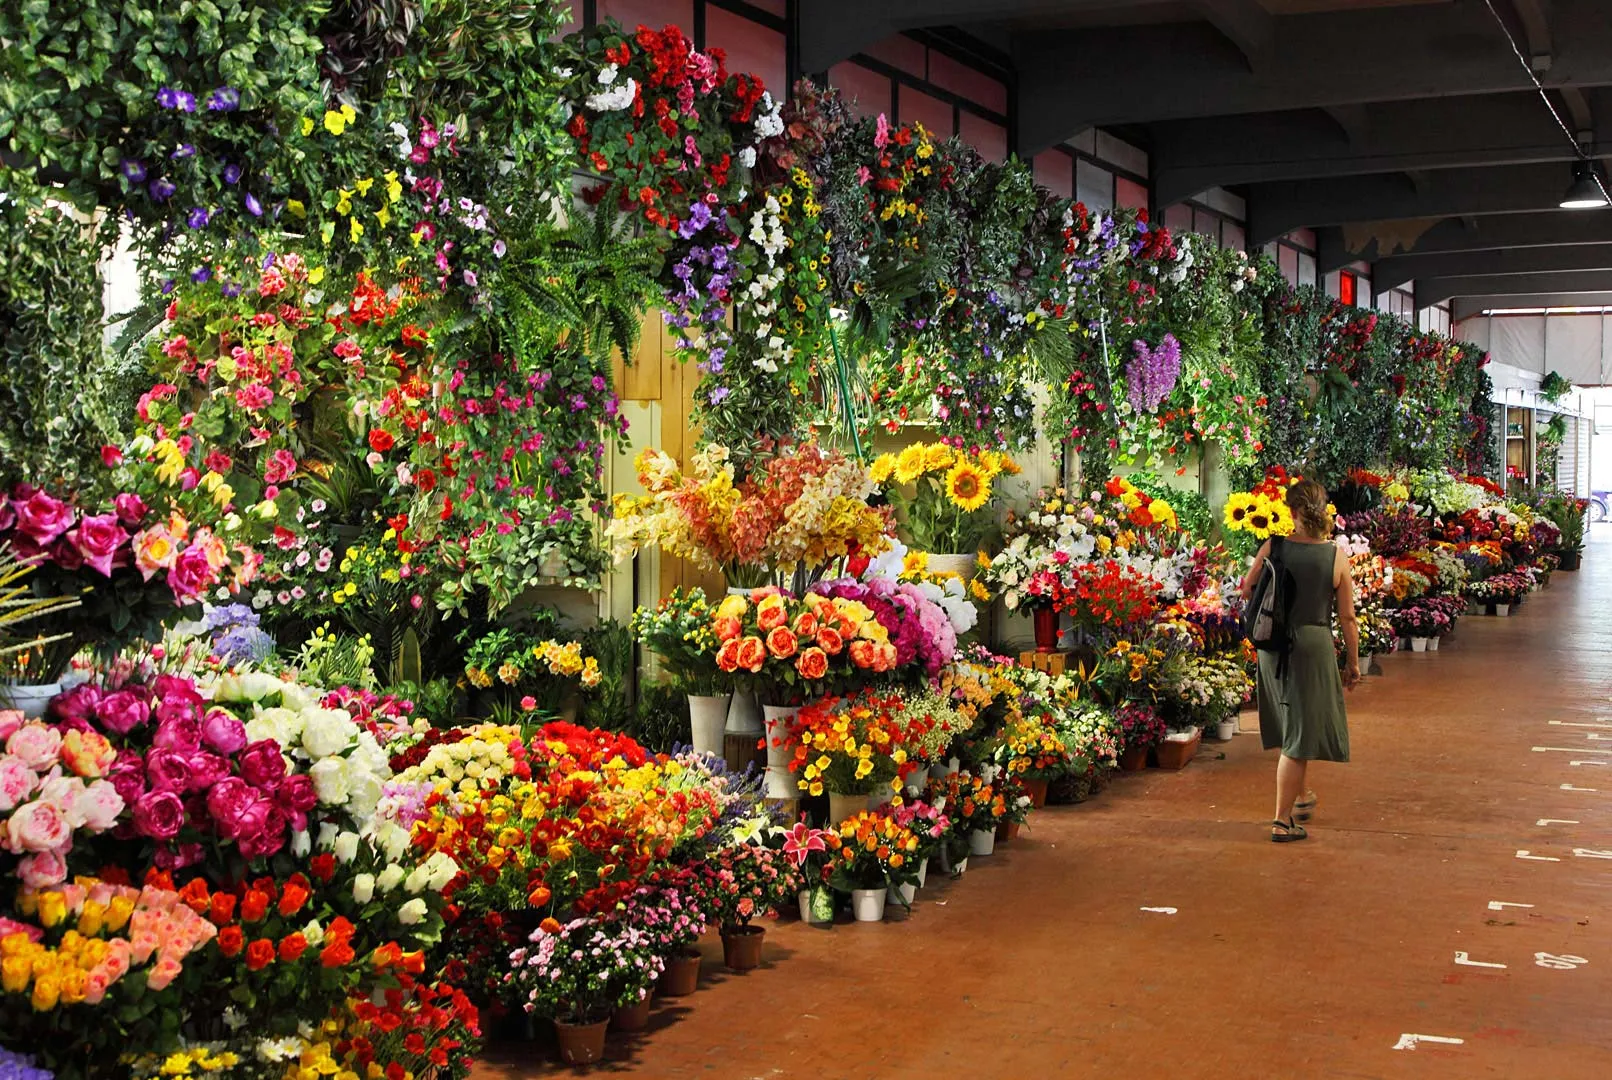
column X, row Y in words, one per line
column 317, row 757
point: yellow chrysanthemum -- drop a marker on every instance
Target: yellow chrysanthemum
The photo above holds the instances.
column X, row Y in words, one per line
column 967, row 487
column 910, row 463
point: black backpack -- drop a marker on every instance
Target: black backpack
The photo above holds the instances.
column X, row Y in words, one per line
column 1268, row 619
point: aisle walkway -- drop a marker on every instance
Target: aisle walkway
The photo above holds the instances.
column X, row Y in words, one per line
column 1453, row 845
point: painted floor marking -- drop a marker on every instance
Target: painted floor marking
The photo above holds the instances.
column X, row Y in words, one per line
column 1570, row 787
column 1590, row 762
column 1555, row 821
column 1591, row 853
column 1523, row 854
column 1408, row 1041
column 1558, row 962
column 1160, row 910
column 1570, row 723
column 1570, row 750
column 1464, row 960
column 1501, row 905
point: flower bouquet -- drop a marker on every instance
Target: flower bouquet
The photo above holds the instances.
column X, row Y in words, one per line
column 974, row 805
column 875, row 856
column 787, row 649
column 852, row 745
column 1140, row 726
column 678, row 630
column 949, row 508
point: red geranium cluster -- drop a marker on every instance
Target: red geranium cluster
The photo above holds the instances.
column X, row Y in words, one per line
column 1105, row 597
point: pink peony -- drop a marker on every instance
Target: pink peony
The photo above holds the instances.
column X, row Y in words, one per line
column 77, row 704
column 38, row 746
column 128, row 775
column 99, row 805
column 159, row 815
column 98, row 538
column 87, row 753
column 37, row 826
column 168, row 770
column 17, row 782
column 42, row 869
column 179, row 731
column 223, row 731
column 206, row 769
column 10, row 721
column 227, row 802
column 42, row 518
column 261, row 763
column 192, row 574
column 122, row 712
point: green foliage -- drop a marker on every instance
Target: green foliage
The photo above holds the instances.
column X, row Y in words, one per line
column 438, row 700
column 609, row 705
column 54, row 414
column 1553, row 387
column 1568, row 514
column 661, row 719
column 332, row 660
column 1191, row 508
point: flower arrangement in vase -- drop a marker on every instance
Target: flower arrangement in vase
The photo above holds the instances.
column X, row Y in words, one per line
column 974, row 805
column 851, row 745
column 949, row 509
column 875, row 855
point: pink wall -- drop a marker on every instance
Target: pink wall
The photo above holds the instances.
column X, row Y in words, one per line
column 1129, row 193
column 868, row 93
column 1055, row 171
column 651, row 13
column 751, row 47
column 966, row 82
column 989, row 139
column 932, row 113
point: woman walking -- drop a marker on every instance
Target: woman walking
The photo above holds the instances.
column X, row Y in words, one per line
column 1301, row 695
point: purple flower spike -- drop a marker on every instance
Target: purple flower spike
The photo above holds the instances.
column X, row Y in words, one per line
column 198, row 217
column 161, row 189
column 232, row 174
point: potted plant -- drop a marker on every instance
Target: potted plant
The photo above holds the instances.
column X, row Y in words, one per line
column 1568, row 515
column 874, row 858
column 678, row 631
column 1140, row 728
column 975, row 807
column 813, row 851
column 1018, row 805
column 577, row 973
column 931, row 825
column 738, row 883
column 851, row 748
column 942, row 497
column 668, row 909
column 1029, row 750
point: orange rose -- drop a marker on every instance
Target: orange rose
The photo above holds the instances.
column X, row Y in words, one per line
column 259, row 954
column 231, row 941
column 781, row 642
column 752, row 653
column 727, row 657
column 727, row 628
column 771, row 613
column 885, row 656
column 806, row 624
column 292, row 946
column 830, row 641
column 863, row 653
column 812, row 664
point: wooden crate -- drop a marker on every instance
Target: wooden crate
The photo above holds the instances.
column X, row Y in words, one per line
column 1053, row 663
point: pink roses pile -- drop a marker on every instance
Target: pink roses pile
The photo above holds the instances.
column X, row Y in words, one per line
column 52, row 786
column 188, row 770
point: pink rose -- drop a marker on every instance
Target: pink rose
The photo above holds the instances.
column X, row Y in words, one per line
column 223, row 731
column 122, row 712
column 98, row 538
column 9, row 926
column 128, row 775
column 206, row 769
column 130, row 507
column 280, row 467
column 262, row 765
column 159, row 815
column 42, row 518
column 192, row 574
column 37, row 745
column 178, row 731
column 10, row 721
column 17, row 782
column 42, row 869
column 227, row 802
column 99, row 805
column 66, row 555
column 96, row 984
column 175, row 688
column 79, row 703
column 163, row 972
column 8, row 515
column 87, row 753
column 37, row 826
column 168, row 770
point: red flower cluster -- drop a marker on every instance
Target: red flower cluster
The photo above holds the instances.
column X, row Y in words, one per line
column 1106, row 596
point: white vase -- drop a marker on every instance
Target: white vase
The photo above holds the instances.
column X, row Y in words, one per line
column 902, row 894
column 842, row 807
column 1502, row 609
column 777, row 719
column 744, row 715
column 916, row 781
column 807, row 916
column 780, row 783
column 960, row 866
column 939, row 772
column 1225, row 729
column 868, row 904
column 708, row 719
column 1402, row 645
column 923, row 871
column 31, row 698
column 982, row 842
column 879, row 798
column 1418, row 644
column 1432, row 643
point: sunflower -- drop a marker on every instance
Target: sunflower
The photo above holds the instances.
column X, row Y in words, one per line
column 910, row 463
column 967, row 487
column 882, row 467
column 937, row 458
column 1258, row 520
column 1237, row 508
column 1281, row 518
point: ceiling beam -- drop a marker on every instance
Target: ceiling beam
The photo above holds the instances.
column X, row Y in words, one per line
column 1464, row 307
column 835, row 30
column 1245, row 23
column 1279, row 207
column 1430, row 291
column 1399, row 269
column 1190, row 156
column 1544, row 228
column 1072, row 80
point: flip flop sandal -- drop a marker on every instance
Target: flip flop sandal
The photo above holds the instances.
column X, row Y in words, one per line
column 1304, row 809
column 1288, row 834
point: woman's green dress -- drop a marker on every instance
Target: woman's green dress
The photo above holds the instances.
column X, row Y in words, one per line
column 1302, row 711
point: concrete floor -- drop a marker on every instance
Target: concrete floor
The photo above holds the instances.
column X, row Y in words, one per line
column 1320, row 959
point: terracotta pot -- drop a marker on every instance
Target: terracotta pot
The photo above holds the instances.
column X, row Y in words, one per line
column 1175, row 755
column 1037, row 790
column 1046, row 630
column 741, row 947
column 1134, row 759
column 581, row 1044
column 1007, row 830
column 632, row 1018
column 682, row 975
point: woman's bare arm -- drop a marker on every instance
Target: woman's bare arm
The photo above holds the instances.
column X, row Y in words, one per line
column 1252, row 577
column 1344, row 589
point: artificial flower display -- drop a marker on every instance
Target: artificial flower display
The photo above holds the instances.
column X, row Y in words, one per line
column 951, row 487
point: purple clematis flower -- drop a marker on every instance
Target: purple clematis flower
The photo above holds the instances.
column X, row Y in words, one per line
column 198, row 217
column 170, row 97
column 185, row 150
column 201, row 274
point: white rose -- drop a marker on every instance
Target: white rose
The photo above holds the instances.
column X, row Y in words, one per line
column 346, row 847
column 363, row 793
column 297, row 697
column 412, row 912
column 392, row 840
column 326, row 732
column 327, row 834
column 364, row 888
column 313, row 934
column 330, row 780
column 443, row 869
column 389, row 878
column 301, row 843
column 417, row 880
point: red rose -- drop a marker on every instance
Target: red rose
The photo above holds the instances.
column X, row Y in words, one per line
column 812, row 664
column 255, row 906
column 231, row 941
column 781, row 643
column 259, row 954
column 223, row 908
column 292, row 899
column 380, row 440
column 292, row 946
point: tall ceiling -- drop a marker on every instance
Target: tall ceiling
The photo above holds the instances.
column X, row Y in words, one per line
column 1407, row 133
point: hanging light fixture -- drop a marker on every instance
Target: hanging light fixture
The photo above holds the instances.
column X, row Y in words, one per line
column 1586, row 192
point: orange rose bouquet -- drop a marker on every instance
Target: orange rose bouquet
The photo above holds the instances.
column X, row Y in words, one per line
column 876, row 851
column 786, row 649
